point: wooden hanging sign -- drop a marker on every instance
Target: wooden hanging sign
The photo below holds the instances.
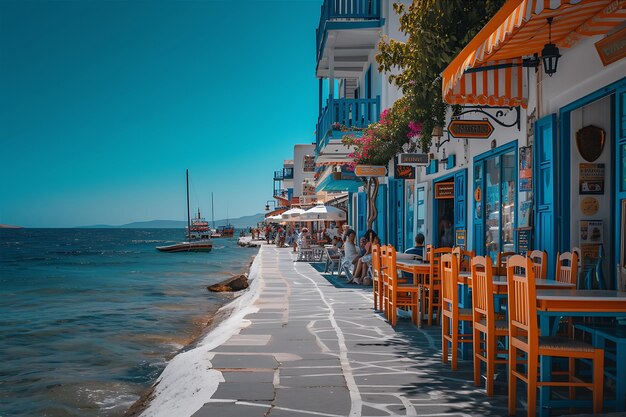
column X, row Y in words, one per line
column 370, row 171
column 444, row 190
column 472, row 129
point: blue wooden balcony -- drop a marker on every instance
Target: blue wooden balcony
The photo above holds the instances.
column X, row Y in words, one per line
column 343, row 116
column 344, row 14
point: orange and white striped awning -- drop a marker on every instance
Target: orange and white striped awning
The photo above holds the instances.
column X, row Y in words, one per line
column 520, row 29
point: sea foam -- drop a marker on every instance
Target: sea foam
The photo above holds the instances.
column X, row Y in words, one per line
column 188, row 381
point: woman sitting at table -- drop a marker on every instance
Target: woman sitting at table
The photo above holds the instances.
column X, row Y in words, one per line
column 363, row 264
column 350, row 254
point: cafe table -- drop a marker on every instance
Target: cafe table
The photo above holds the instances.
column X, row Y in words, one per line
column 552, row 304
column 500, row 285
column 419, row 270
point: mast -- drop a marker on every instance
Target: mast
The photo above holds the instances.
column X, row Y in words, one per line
column 212, row 212
column 188, row 215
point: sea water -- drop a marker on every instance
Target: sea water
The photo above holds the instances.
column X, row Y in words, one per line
column 90, row 317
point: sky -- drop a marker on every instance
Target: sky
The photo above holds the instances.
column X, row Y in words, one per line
column 104, row 104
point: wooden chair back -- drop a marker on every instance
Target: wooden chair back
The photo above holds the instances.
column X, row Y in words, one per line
column 435, row 263
column 429, row 249
column 482, row 290
column 464, row 257
column 450, row 283
column 376, row 261
column 567, row 267
column 501, row 262
column 522, row 303
column 540, row 263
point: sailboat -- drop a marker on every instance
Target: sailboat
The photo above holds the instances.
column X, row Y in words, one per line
column 198, row 239
column 224, row 231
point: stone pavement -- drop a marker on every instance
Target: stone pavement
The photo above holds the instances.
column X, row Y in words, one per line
column 317, row 348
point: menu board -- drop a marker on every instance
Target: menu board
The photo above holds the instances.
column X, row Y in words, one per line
column 591, row 179
column 524, row 240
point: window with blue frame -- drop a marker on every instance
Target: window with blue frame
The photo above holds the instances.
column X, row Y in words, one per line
column 420, row 218
column 495, row 178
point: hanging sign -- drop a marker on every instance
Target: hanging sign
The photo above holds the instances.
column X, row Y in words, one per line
column 420, row 159
column 612, row 48
column 405, row 172
column 370, row 171
column 472, row 129
column 444, row 190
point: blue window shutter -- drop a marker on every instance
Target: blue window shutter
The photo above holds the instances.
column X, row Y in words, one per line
column 381, row 220
column 361, row 213
column 460, row 202
column 545, row 191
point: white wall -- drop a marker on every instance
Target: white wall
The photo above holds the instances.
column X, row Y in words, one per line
column 579, row 73
column 598, row 114
column 299, row 151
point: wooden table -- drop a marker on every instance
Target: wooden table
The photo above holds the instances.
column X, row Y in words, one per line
column 553, row 303
column 500, row 285
column 418, row 269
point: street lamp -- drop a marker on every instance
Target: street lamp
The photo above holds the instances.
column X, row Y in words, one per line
column 550, row 54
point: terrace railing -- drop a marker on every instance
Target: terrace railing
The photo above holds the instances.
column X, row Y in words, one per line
column 345, row 115
column 344, row 10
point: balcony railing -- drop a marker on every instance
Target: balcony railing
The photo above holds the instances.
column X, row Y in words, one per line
column 343, row 115
column 344, row 10
column 284, row 174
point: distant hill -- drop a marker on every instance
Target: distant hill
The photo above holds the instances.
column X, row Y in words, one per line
column 8, row 226
column 239, row 223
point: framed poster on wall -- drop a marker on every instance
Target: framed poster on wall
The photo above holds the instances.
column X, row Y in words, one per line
column 591, row 180
column 525, row 168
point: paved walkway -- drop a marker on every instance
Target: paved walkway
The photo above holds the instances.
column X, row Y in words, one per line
column 317, row 348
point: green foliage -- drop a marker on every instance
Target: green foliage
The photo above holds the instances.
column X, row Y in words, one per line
column 436, row 30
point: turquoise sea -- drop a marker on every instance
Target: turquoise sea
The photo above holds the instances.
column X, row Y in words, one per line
column 89, row 317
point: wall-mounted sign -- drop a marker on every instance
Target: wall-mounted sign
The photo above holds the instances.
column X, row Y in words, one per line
column 405, row 172
column 473, row 129
column 460, row 238
column 308, row 163
column 444, row 190
column 612, row 48
column 414, row 159
column 478, row 195
column 525, row 169
column 370, row 171
column 524, row 240
column 589, row 206
column 591, row 231
column 525, row 213
column 591, row 180
column 590, row 142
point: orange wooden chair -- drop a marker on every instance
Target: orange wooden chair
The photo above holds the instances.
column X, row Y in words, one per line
column 501, row 262
column 377, row 278
column 450, row 311
column 465, row 258
column 567, row 267
column 524, row 337
column 540, row 263
column 427, row 252
column 432, row 285
column 487, row 327
column 399, row 292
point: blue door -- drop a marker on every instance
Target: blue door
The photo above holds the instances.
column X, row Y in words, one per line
column 460, row 204
column 396, row 194
column 545, row 191
column 620, row 185
column 361, row 213
column 381, row 221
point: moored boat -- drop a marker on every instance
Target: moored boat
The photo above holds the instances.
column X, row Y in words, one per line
column 198, row 234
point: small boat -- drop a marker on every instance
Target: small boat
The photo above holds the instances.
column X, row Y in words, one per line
column 198, row 234
column 223, row 231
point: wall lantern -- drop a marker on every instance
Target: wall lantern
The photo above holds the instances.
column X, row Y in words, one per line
column 267, row 204
column 550, row 54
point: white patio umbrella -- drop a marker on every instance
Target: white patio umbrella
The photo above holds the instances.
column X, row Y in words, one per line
column 322, row 212
column 271, row 219
column 292, row 215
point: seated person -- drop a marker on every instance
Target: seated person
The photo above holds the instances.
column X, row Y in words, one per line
column 350, row 254
column 337, row 242
column 418, row 249
column 362, row 266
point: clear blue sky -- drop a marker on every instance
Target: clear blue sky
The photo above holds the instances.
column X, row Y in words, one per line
column 104, row 104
